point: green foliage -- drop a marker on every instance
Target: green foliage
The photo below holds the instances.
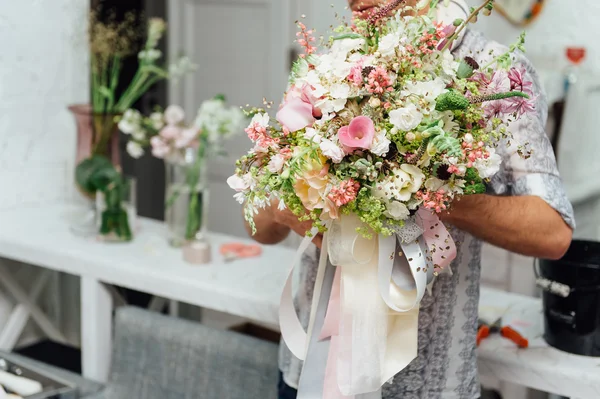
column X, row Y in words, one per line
column 92, row 173
column 448, row 144
column 474, row 183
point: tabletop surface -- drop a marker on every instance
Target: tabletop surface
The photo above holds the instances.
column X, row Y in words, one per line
column 251, row 288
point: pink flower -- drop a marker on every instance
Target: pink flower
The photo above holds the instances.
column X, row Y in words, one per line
column 170, row 132
column 496, row 109
column 518, row 82
column 358, row 135
column 520, row 105
column 160, row 149
column 446, row 33
column 298, row 110
column 344, row 193
column 499, row 83
column 186, row 138
column 379, row 81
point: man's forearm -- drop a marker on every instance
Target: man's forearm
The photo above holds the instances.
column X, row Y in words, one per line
column 526, row 225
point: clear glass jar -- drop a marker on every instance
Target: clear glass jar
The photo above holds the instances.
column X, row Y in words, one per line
column 116, row 211
column 186, row 198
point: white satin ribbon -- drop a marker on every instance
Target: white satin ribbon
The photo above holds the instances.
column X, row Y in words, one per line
column 291, row 328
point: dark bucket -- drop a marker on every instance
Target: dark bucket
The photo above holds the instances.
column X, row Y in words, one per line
column 571, row 296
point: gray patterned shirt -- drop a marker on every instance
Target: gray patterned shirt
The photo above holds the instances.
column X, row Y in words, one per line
column 446, row 366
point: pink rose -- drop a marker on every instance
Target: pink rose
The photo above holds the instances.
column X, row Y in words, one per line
column 298, row 110
column 358, row 135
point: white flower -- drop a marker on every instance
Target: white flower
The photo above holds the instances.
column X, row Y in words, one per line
column 490, row 166
column 174, row 115
column 449, row 65
column 130, row 122
column 238, row 183
column 157, row 120
column 312, row 135
column 182, row 67
column 319, row 90
column 450, row 125
column 276, row 163
column 397, row 210
column 134, row 149
column 428, row 90
column 406, row 181
column 381, row 144
column 149, row 55
column 389, row 43
column 261, row 120
column 139, row 134
column 434, row 184
column 340, row 91
column 407, row 118
column 327, row 106
column 341, row 48
column 331, row 150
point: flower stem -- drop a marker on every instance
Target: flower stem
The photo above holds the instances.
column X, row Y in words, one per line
column 464, row 24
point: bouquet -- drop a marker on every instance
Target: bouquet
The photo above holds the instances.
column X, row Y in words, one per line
column 378, row 133
column 185, row 147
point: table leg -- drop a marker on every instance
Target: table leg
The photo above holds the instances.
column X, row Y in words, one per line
column 96, row 329
column 19, row 317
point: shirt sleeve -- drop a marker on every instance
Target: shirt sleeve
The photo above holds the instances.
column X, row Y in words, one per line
column 537, row 175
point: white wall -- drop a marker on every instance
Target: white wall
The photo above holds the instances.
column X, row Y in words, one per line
column 43, row 69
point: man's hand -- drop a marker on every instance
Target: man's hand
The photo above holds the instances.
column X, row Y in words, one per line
column 274, row 225
column 526, row 225
column 288, row 219
column 363, row 5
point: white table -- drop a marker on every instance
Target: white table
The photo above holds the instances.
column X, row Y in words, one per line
column 40, row 236
column 249, row 288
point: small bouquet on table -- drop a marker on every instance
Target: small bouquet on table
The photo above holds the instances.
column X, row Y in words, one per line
column 377, row 134
column 185, row 148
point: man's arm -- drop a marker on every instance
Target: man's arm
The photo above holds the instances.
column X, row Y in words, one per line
column 274, row 225
column 526, row 225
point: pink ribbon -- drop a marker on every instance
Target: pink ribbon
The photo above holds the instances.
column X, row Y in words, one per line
column 438, row 239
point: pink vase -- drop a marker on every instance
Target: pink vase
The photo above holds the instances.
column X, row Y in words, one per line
column 97, row 134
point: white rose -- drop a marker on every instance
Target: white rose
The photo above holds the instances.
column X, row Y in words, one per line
column 343, row 47
column 174, row 114
column 276, row 163
column 490, row 166
column 331, row 150
column 381, row 144
column 407, row 118
column 397, row 210
column 134, row 149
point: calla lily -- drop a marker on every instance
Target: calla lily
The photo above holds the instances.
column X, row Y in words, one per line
column 358, row 135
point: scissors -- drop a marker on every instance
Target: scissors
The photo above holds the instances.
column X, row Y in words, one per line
column 507, row 332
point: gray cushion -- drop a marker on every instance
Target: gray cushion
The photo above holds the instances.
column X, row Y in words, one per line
column 85, row 387
column 160, row 357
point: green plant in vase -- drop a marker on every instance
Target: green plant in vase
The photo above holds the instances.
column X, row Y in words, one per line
column 185, row 150
column 96, row 175
column 111, row 43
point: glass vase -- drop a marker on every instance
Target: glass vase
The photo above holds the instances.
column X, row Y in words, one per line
column 116, row 211
column 97, row 134
column 186, row 199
